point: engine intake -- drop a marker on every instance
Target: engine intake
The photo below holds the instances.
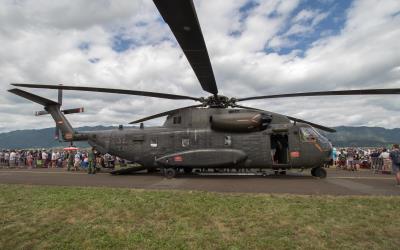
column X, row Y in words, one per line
column 240, row 122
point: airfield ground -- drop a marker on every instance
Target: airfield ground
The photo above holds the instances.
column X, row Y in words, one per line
column 46, row 210
column 339, row 182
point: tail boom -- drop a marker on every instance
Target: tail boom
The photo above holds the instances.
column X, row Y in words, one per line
column 53, row 108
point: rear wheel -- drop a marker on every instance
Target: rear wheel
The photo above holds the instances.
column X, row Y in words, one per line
column 318, row 172
column 170, row 173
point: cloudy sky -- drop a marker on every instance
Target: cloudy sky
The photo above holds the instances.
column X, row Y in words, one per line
column 256, row 48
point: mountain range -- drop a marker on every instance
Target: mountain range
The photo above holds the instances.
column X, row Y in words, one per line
column 345, row 136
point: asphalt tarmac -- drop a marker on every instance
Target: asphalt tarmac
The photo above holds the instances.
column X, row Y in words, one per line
column 338, row 182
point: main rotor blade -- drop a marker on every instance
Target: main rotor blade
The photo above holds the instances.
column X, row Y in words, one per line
column 181, row 17
column 295, row 119
column 312, row 124
column 327, row 93
column 170, row 112
column 107, row 90
column 32, row 97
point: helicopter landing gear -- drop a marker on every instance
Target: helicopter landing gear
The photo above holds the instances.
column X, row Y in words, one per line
column 151, row 170
column 280, row 171
column 170, row 173
column 318, row 172
column 187, row 170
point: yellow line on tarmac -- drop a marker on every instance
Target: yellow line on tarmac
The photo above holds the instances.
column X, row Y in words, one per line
column 362, row 178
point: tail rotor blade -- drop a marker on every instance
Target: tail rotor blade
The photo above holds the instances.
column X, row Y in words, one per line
column 72, row 111
column 41, row 112
column 60, row 92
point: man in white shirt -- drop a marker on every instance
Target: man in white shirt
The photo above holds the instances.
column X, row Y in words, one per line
column 53, row 159
column 7, row 159
column 44, row 158
column 387, row 162
column 12, row 158
column 58, row 160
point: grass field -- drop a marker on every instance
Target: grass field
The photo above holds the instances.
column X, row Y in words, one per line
column 33, row 217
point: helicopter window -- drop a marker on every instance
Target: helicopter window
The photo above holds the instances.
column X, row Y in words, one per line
column 234, row 111
column 185, row 142
column 228, row 140
column 177, row 120
column 308, row 134
column 153, row 142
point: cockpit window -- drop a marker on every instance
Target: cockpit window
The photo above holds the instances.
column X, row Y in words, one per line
column 309, row 134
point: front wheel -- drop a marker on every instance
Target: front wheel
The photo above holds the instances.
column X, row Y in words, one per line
column 319, row 172
column 170, row 173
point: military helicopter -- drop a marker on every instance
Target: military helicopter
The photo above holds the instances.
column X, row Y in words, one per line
column 217, row 133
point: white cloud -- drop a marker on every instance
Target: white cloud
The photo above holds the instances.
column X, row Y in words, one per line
column 40, row 43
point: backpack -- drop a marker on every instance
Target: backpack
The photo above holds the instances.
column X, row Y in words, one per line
column 395, row 155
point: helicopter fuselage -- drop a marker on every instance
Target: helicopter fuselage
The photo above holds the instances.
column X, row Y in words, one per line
column 195, row 139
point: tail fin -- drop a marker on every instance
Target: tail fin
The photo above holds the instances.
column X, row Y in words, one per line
column 53, row 108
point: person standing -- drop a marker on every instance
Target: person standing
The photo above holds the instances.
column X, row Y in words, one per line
column 350, row 160
column 58, row 160
column 334, row 156
column 7, row 159
column 70, row 160
column 2, row 153
column 13, row 156
column 29, row 160
column 77, row 161
column 44, row 159
column 53, row 159
column 91, row 159
column 395, row 156
column 385, row 156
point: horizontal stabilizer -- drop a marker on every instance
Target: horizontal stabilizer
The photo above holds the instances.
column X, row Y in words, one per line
column 66, row 111
column 34, row 98
column 72, row 111
column 42, row 112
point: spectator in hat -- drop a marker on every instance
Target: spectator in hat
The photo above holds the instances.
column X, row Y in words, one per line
column 395, row 157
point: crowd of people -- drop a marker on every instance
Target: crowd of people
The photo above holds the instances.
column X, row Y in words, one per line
column 72, row 160
column 378, row 159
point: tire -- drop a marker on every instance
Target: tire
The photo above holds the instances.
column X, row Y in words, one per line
column 320, row 173
column 313, row 172
column 169, row 173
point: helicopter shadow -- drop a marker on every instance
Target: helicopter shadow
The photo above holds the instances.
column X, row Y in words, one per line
column 289, row 176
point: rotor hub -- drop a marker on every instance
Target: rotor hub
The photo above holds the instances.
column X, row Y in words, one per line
column 218, row 101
